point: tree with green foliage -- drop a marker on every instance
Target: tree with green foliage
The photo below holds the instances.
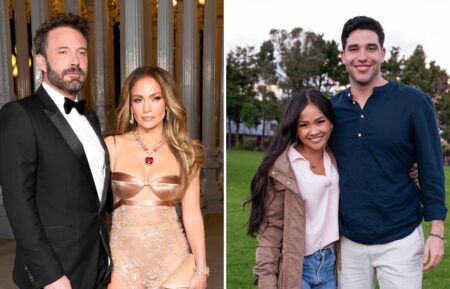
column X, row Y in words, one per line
column 439, row 80
column 306, row 60
column 300, row 59
column 333, row 70
column 443, row 107
column 434, row 81
column 241, row 79
column 415, row 72
column 251, row 114
column 392, row 68
column 267, row 66
column 441, row 95
column 301, row 56
column 271, row 108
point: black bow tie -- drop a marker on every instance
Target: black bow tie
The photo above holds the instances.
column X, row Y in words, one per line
column 69, row 104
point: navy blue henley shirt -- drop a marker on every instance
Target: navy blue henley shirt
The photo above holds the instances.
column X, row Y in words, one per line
column 375, row 148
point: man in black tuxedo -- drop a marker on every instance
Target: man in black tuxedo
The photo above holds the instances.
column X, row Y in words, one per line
column 54, row 169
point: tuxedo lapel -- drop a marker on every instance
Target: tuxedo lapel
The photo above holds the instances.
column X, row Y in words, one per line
column 66, row 131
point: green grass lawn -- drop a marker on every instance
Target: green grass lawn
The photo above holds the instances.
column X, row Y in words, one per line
column 241, row 166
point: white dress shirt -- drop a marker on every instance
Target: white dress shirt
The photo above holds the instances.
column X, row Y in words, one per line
column 95, row 153
column 321, row 197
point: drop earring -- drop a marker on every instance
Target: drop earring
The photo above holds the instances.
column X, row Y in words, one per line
column 132, row 118
column 167, row 114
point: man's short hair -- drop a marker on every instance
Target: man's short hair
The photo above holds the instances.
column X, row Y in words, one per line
column 61, row 20
column 364, row 23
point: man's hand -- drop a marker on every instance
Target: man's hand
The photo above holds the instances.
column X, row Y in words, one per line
column 414, row 173
column 434, row 246
column 61, row 283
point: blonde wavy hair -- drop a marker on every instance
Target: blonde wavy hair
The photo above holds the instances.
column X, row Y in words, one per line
column 189, row 153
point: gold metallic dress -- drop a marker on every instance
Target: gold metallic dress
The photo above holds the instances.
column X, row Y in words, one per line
column 147, row 240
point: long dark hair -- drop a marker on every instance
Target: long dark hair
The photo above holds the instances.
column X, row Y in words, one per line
column 285, row 135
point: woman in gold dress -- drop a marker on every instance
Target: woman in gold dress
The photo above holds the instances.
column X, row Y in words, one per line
column 154, row 164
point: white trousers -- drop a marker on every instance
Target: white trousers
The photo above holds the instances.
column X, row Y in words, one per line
column 396, row 265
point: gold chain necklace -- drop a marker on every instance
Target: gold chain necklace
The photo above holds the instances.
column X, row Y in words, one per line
column 148, row 159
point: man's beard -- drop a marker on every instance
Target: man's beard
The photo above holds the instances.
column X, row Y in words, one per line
column 72, row 87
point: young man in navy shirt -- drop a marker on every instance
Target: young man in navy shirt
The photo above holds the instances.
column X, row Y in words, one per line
column 382, row 128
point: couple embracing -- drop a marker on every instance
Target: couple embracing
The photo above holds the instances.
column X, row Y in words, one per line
column 56, row 169
column 333, row 201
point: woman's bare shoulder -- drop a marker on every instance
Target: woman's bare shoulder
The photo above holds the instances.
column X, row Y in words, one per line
column 119, row 137
column 118, row 140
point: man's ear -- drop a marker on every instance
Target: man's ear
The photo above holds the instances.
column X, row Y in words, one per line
column 41, row 62
column 341, row 56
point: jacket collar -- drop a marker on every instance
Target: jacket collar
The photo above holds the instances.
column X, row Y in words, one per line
column 283, row 173
column 47, row 102
column 61, row 124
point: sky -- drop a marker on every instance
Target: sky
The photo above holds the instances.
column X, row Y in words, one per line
column 406, row 23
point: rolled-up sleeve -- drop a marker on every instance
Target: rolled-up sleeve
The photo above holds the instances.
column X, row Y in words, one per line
column 430, row 161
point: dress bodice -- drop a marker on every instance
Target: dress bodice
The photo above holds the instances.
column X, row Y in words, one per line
column 125, row 186
column 147, row 239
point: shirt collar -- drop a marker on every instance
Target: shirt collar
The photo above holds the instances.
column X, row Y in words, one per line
column 376, row 89
column 293, row 154
column 56, row 96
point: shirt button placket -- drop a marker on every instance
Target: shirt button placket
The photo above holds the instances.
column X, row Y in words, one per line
column 361, row 125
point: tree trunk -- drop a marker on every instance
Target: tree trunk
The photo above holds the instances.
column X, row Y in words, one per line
column 238, row 124
column 229, row 134
column 263, row 134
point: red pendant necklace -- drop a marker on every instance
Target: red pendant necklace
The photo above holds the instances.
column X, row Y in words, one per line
column 148, row 159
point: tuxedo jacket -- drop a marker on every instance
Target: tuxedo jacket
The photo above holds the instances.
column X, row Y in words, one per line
column 50, row 196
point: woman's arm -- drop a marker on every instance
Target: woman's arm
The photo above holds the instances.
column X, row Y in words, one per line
column 110, row 142
column 111, row 145
column 195, row 232
column 268, row 250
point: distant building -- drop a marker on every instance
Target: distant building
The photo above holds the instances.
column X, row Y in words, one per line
column 251, row 135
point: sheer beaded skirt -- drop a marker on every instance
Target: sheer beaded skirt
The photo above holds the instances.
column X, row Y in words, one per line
column 147, row 244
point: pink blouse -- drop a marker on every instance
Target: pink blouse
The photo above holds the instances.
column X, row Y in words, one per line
column 321, row 197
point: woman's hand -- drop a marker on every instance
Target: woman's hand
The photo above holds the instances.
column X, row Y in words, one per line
column 414, row 173
column 198, row 282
